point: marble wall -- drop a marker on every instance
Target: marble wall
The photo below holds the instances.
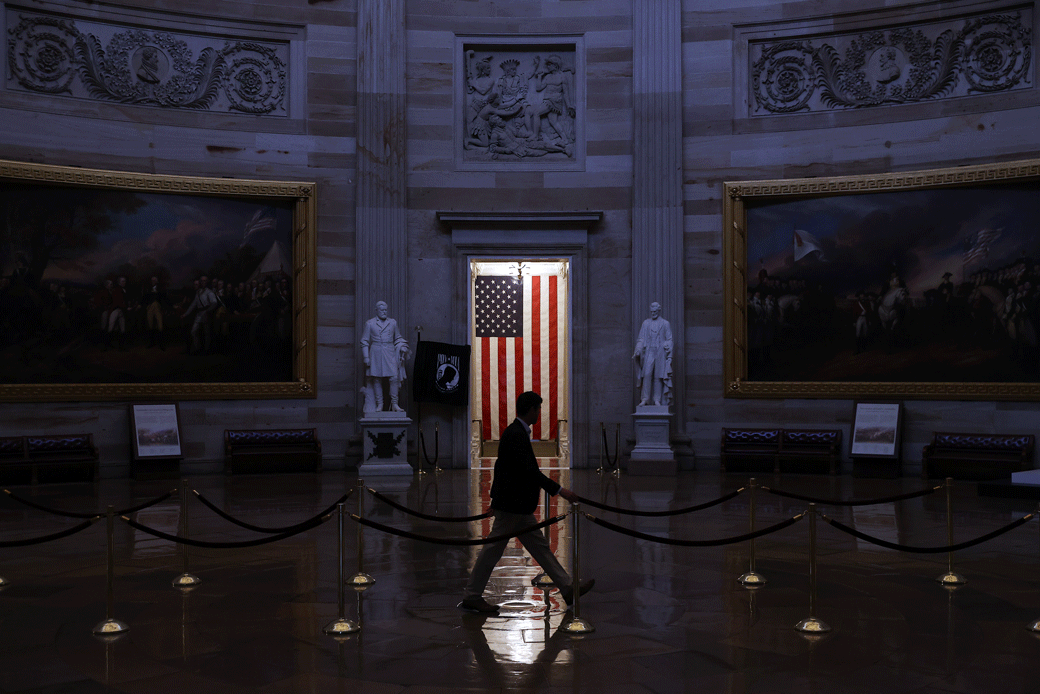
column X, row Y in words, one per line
column 311, row 136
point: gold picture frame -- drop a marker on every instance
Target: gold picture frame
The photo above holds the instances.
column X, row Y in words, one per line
column 845, row 245
column 98, row 300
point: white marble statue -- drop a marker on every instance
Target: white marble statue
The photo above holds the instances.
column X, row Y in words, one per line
column 384, row 350
column 653, row 357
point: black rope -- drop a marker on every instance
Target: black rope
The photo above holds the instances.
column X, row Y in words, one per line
column 313, row 523
column 436, row 447
column 698, row 543
column 447, row 541
column 606, row 449
column 928, row 550
column 862, row 502
column 260, row 529
column 676, row 512
column 70, row 514
column 418, row 514
column 55, row 536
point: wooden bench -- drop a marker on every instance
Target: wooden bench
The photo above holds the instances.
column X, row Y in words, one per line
column 809, row 450
column 271, row 450
column 977, row 456
column 781, row 450
column 63, row 458
column 750, row 450
column 14, row 466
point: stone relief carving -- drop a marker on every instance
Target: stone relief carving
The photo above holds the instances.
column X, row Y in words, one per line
column 907, row 64
column 519, row 105
column 153, row 68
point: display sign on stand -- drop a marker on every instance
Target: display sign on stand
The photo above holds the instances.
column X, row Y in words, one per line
column 155, row 440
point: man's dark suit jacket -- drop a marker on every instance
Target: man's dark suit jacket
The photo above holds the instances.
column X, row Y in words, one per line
column 517, row 477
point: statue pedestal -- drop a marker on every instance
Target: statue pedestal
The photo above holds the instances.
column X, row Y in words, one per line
column 653, row 453
column 384, row 441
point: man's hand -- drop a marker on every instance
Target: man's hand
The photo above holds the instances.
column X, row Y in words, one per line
column 569, row 495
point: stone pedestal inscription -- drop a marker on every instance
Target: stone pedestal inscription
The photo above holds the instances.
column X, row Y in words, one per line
column 384, row 438
column 653, row 453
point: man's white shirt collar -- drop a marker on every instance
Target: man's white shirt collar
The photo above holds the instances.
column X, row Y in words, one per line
column 525, row 425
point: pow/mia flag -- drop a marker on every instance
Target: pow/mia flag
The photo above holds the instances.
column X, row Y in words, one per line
column 441, row 373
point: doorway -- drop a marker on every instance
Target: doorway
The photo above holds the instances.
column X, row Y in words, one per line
column 519, row 328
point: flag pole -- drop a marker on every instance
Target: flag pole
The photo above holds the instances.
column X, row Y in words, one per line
column 418, row 411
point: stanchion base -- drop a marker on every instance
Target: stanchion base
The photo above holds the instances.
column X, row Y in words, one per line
column 952, row 579
column 812, row 625
column 578, row 626
column 341, row 627
column 542, row 581
column 360, row 579
column 186, row 581
column 752, row 579
column 1035, row 627
column 111, row 627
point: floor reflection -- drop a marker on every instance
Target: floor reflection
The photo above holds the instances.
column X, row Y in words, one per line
column 666, row 618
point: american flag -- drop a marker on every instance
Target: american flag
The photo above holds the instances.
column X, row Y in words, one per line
column 518, row 333
column 977, row 246
column 263, row 220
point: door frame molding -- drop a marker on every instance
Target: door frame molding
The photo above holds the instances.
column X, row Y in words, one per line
column 491, row 236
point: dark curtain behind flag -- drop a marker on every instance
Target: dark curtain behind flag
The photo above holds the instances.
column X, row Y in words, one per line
column 441, row 373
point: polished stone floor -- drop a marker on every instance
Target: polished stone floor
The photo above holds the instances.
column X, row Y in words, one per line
column 665, row 618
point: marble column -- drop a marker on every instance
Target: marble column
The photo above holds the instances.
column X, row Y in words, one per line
column 381, row 221
column 657, row 206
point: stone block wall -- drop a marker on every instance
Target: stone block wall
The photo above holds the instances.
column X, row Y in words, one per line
column 726, row 136
column 726, row 139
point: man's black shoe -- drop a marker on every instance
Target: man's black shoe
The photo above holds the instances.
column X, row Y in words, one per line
column 478, row 604
column 568, row 593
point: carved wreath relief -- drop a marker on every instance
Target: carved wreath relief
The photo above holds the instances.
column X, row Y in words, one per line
column 977, row 55
column 154, row 68
column 519, row 105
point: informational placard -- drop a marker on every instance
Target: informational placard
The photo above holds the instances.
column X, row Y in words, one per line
column 875, row 429
column 156, row 431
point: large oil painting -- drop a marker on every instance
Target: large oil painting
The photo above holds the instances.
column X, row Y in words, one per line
column 117, row 285
column 922, row 284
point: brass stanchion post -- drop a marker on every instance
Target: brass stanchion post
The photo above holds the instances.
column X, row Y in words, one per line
column 812, row 625
column 361, row 578
column 542, row 580
column 110, row 626
column 617, row 451
column 602, row 447
column 577, row 625
column 187, row 580
column 752, row 579
column 1035, row 626
column 341, row 626
column 950, row 578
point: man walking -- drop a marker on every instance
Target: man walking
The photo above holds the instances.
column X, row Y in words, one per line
column 514, row 498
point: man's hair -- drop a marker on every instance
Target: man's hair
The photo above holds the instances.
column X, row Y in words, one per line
column 527, row 402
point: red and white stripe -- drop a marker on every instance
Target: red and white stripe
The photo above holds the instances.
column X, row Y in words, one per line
column 507, row 366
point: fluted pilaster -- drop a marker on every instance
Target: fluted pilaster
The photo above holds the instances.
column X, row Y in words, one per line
column 382, row 260
column 657, row 212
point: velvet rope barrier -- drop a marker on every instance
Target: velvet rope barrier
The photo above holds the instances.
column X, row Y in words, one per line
column 418, row 514
column 928, row 550
column 313, row 523
column 447, row 541
column 657, row 514
column 54, row 536
column 697, row 543
column 854, row 502
column 70, row 514
column 261, row 529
